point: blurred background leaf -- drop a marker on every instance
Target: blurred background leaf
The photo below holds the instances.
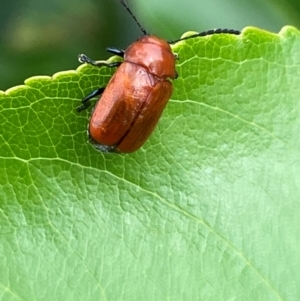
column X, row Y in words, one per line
column 41, row 37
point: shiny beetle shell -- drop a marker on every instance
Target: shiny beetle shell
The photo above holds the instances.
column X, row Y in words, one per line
column 135, row 97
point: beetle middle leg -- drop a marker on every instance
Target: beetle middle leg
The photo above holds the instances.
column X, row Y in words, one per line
column 85, row 59
column 85, row 101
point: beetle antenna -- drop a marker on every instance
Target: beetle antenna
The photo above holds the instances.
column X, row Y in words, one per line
column 207, row 33
column 133, row 16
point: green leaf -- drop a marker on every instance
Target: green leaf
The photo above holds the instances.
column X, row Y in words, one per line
column 208, row 209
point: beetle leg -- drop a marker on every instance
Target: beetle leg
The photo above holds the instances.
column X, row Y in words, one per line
column 85, row 104
column 82, row 58
column 114, row 64
column 116, row 51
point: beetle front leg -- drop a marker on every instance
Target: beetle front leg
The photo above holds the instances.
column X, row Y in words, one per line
column 116, row 51
column 85, row 101
column 82, row 58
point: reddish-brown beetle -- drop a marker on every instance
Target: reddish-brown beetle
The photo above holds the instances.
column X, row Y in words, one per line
column 136, row 95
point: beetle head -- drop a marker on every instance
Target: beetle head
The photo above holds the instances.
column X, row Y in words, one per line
column 154, row 54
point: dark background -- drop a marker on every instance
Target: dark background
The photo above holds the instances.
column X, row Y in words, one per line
column 40, row 37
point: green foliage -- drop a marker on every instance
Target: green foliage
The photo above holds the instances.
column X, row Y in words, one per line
column 208, row 209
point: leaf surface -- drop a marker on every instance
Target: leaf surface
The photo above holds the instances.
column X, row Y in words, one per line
column 208, row 209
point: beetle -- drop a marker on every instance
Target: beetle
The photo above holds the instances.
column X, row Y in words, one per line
column 133, row 100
